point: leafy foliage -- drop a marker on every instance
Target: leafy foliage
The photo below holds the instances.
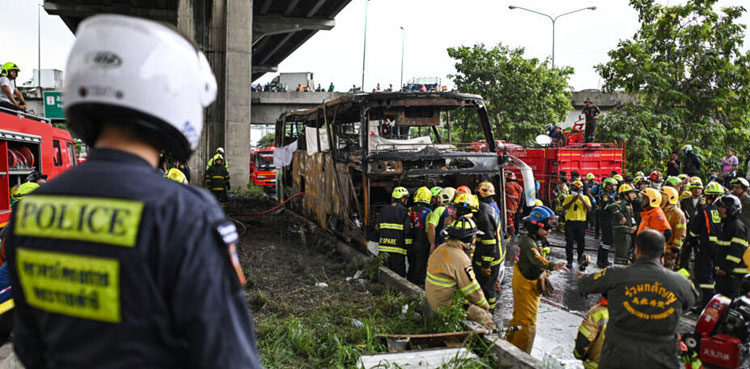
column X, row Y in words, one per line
column 266, row 141
column 686, row 65
column 522, row 95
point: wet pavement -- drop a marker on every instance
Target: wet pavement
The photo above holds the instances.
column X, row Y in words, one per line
column 560, row 314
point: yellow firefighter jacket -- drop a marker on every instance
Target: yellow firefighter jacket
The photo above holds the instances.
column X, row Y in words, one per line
column 590, row 336
column 678, row 222
column 448, row 269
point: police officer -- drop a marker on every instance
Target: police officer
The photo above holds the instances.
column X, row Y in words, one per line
column 489, row 254
column 395, row 234
column 624, row 224
column 111, row 264
column 731, row 267
column 449, row 269
column 645, row 304
column 702, row 236
column 609, row 196
column 420, row 247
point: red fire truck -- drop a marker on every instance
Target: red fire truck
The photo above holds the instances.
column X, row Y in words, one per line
column 262, row 171
column 29, row 143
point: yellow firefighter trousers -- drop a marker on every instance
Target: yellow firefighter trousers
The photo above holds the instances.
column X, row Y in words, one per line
column 526, row 298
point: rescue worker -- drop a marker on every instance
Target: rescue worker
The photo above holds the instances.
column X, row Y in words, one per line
column 593, row 193
column 575, row 206
column 10, row 96
column 702, row 236
column 645, row 303
column 37, row 178
column 463, row 189
column 219, row 153
column 652, row 217
column 449, row 269
column 440, row 217
column 435, row 200
column 395, row 234
column 420, row 248
column 623, row 223
column 513, row 193
column 529, row 267
column 609, row 196
column 489, row 253
column 692, row 164
column 731, row 258
column 217, row 179
column 155, row 280
column 591, row 113
column 561, row 191
column 590, row 337
column 677, row 221
column 690, row 206
column 739, row 189
column 656, row 180
column 177, row 176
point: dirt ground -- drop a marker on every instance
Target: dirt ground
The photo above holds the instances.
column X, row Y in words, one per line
column 309, row 310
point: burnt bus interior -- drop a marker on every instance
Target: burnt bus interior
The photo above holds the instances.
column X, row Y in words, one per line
column 379, row 141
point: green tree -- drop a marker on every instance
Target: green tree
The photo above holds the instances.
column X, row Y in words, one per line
column 266, row 141
column 522, row 95
column 686, row 66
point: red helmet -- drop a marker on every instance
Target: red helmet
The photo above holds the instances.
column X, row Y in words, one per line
column 655, row 176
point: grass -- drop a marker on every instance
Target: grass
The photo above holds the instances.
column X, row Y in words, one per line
column 252, row 191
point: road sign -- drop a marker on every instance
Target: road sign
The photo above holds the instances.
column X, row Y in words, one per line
column 53, row 107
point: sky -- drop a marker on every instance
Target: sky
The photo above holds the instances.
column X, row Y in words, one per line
column 431, row 26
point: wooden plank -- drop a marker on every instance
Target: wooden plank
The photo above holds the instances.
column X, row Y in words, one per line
column 422, row 359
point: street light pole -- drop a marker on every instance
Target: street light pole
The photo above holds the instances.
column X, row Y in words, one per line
column 364, row 49
column 39, row 47
column 403, row 36
column 512, row 7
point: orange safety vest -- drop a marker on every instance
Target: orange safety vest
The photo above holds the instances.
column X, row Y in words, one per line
column 653, row 219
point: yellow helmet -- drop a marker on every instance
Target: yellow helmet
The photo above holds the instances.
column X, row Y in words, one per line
column 400, row 192
column 714, row 189
column 654, row 197
column 13, row 190
column 423, row 194
column 590, row 176
column 446, row 195
column 486, row 189
column 625, row 188
column 671, row 194
column 617, row 178
column 177, row 176
column 466, row 200
column 538, row 202
column 26, row 189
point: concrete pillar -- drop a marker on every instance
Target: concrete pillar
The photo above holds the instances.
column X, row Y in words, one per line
column 239, row 40
column 223, row 31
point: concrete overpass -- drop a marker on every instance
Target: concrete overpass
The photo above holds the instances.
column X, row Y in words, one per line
column 242, row 39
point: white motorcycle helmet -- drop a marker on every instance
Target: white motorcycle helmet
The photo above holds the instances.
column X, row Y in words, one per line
column 133, row 71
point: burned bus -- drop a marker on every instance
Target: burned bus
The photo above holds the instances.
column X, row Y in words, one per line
column 347, row 155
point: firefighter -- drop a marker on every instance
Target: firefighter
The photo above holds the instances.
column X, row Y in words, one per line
column 609, row 196
column 702, row 236
column 10, row 96
column 37, row 178
column 739, row 189
column 395, row 234
column 463, row 189
column 593, row 192
column 513, row 193
column 529, row 268
column 218, row 154
column 677, row 221
column 217, row 179
column 590, row 337
column 645, row 303
column 652, row 217
column 575, row 206
column 435, row 199
column 623, row 222
column 489, row 253
column 440, row 217
column 420, row 248
column 560, row 192
column 152, row 278
column 591, row 113
column 656, row 180
column 449, row 269
column 731, row 258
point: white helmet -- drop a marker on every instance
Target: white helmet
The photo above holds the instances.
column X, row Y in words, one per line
column 140, row 72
